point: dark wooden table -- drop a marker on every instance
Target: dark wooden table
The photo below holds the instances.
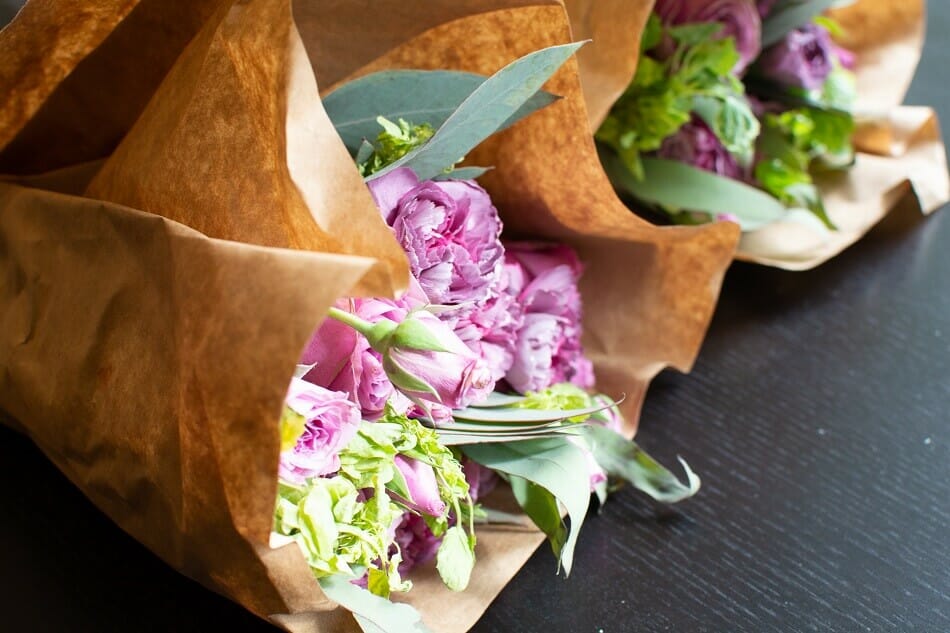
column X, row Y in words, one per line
column 818, row 416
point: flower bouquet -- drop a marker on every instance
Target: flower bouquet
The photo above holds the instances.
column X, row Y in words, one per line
column 163, row 297
column 772, row 114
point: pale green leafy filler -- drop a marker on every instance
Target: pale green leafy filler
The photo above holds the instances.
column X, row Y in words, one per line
column 395, row 141
column 696, row 77
column 342, row 529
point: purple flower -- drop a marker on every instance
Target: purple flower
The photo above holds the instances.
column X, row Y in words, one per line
column 490, row 328
column 343, row 360
column 330, row 422
column 450, row 231
column 481, row 480
column 422, row 486
column 696, row 144
column 739, row 18
column 803, row 59
column 439, row 370
column 547, row 348
column 416, row 542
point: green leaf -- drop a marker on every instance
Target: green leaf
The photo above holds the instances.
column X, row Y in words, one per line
column 520, row 415
column 497, row 399
column 680, row 187
column 374, row 614
column 484, row 112
column 455, row 559
column 622, row 458
column 556, row 465
column 789, row 16
column 542, row 508
column 463, row 173
column 416, row 335
column 733, row 122
column 419, row 96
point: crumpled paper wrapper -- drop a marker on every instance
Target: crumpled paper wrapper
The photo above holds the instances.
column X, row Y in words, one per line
column 157, row 300
column 901, row 153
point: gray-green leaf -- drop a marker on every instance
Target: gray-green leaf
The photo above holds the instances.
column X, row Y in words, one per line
column 682, row 187
column 374, row 614
column 484, row 112
column 556, row 465
column 418, row 96
column 622, row 458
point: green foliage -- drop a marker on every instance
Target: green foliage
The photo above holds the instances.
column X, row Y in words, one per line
column 664, row 94
column 340, row 532
column 795, row 142
column 394, row 142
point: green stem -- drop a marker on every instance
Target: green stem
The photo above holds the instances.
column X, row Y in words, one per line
column 350, row 319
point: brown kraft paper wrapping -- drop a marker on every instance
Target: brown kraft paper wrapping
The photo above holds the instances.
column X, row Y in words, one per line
column 151, row 320
column 901, row 153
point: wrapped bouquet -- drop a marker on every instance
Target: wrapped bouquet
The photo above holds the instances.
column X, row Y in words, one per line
column 765, row 114
column 210, row 240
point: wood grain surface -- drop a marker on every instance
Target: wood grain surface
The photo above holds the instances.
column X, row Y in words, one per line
column 818, row 416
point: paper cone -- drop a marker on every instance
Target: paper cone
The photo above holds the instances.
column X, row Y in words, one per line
column 76, row 75
column 148, row 346
column 900, row 149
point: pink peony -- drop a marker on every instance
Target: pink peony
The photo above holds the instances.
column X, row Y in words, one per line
column 331, row 421
column 547, row 348
column 804, row 59
column 450, row 231
column 490, row 328
column 740, row 20
column 697, row 145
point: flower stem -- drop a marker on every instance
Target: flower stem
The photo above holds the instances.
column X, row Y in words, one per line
column 350, row 319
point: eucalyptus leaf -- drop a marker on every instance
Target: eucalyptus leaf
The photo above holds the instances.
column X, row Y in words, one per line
column 622, row 458
column 467, row 439
column 418, row 96
column 464, row 173
column 496, row 399
column 374, row 614
column 484, row 111
column 491, row 516
column 788, row 17
column 542, row 508
column 518, row 415
column 681, row 187
column 556, row 465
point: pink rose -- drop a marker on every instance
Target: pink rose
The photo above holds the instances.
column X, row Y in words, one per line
column 450, row 231
column 423, row 488
column 344, row 360
column 452, row 376
column 330, row 422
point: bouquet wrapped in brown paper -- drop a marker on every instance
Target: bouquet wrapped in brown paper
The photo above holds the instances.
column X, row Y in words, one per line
column 766, row 113
column 158, row 301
